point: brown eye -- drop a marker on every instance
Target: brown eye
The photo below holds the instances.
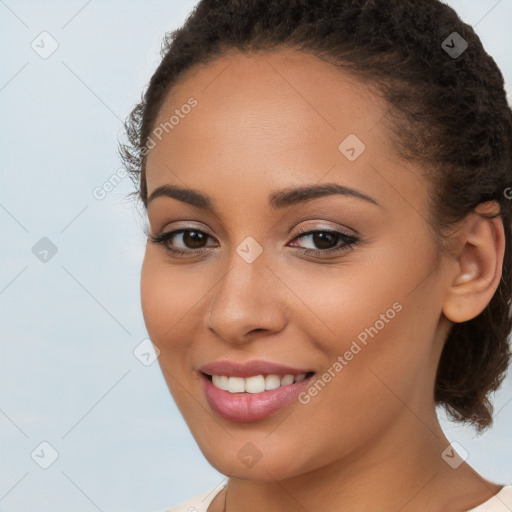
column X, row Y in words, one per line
column 194, row 239
column 183, row 242
column 327, row 242
column 324, row 240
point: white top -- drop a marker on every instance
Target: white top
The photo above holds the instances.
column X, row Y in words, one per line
column 501, row 502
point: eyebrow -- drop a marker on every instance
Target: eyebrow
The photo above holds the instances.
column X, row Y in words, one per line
column 277, row 200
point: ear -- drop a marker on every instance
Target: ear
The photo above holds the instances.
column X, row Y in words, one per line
column 478, row 266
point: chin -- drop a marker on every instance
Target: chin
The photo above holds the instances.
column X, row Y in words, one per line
column 264, row 470
column 249, row 456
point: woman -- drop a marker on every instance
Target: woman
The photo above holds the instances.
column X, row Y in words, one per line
column 328, row 251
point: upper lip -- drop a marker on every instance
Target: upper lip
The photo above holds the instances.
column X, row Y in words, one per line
column 249, row 368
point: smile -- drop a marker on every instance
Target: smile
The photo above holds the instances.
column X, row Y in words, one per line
column 256, row 384
column 253, row 398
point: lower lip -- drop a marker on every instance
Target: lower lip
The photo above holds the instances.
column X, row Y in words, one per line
column 247, row 407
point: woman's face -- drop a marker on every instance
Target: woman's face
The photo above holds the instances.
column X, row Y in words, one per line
column 358, row 302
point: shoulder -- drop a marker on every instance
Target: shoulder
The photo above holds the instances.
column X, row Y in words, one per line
column 198, row 503
column 501, row 502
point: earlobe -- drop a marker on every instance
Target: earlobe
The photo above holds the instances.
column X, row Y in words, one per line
column 478, row 266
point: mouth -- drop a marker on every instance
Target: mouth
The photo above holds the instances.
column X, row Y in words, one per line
column 253, row 398
column 256, row 383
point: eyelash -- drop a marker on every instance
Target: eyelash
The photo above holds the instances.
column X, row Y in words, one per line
column 349, row 242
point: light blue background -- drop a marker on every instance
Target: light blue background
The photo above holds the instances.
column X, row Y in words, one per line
column 69, row 326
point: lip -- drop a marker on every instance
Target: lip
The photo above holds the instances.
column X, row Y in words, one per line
column 250, row 368
column 250, row 407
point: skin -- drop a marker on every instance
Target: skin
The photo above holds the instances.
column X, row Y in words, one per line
column 270, row 121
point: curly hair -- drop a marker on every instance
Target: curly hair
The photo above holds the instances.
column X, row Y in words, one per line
column 449, row 113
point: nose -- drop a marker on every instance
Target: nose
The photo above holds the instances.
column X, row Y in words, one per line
column 247, row 300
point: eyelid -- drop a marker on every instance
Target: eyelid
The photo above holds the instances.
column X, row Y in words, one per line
column 186, row 226
column 343, row 230
column 349, row 240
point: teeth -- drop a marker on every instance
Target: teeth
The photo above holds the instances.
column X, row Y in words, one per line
column 256, row 384
column 220, row 381
column 272, row 382
column 287, row 380
column 236, row 385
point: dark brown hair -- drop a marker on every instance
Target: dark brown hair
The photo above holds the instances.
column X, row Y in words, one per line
column 447, row 112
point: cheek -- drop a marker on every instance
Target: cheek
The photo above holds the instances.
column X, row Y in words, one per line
column 378, row 323
column 365, row 387
column 169, row 298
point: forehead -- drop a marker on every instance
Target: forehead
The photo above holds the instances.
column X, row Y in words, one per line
column 286, row 96
column 277, row 118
